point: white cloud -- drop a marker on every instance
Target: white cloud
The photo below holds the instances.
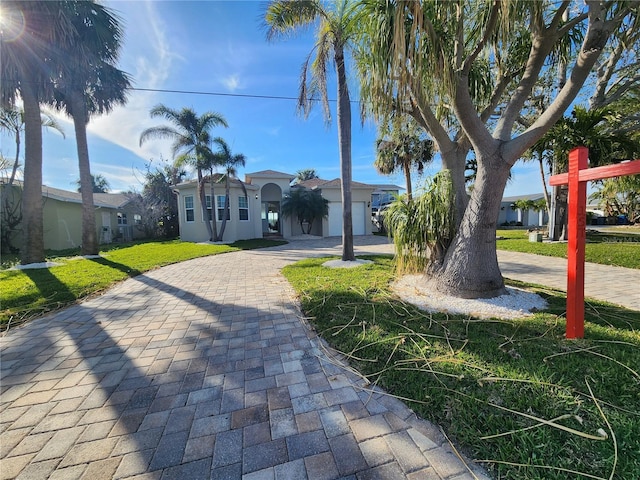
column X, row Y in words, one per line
column 151, row 58
column 232, row 82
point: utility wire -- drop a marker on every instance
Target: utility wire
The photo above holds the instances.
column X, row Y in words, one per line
column 220, row 94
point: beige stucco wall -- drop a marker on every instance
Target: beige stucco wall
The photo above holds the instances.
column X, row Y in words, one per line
column 235, row 229
column 360, row 196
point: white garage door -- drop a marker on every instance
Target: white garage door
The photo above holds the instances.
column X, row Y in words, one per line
column 335, row 218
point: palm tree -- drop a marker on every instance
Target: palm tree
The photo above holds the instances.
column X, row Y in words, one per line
column 90, row 84
column 306, row 174
column 191, row 138
column 402, row 146
column 306, row 206
column 12, row 120
column 33, row 35
column 229, row 162
column 336, row 29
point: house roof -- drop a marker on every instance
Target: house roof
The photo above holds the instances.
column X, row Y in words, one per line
column 530, row 196
column 335, row 183
column 106, row 200
column 269, row 174
column 219, row 179
column 386, row 187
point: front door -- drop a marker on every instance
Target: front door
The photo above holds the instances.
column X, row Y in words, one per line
column 271, row 218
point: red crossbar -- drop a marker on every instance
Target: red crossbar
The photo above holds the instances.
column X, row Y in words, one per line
column 577, row 177
column 630, row 167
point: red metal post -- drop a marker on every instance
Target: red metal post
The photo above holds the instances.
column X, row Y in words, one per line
column 578, row 160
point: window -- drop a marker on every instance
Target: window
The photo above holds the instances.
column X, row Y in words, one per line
column 122, row 218
column 188, row 208
column 208, row 202
column 243, row 208
column 221, row 209
column 137, row 219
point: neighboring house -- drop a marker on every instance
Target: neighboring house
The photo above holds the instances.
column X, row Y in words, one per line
column 515, row 216
column 383, row 195
column 259, row 213
column 62, row 214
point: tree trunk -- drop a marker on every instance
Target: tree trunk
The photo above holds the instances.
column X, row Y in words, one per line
column 406, row 166
column 547, row 200
column 470, row 268
column 89, row 235
column 225, row 211
column 203, row 204
column 213, row 228
column 560, row 228
column 344, row 140
column 32, row 250
column 455, row 161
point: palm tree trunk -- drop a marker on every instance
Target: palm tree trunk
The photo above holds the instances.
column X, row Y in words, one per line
column 226, row 209
column 547, row 200
column 32, row 216
column 16, row 162
column 203, row 204
column 89, row 235
column 406, row 166
column 214, row 222
column 344, row 140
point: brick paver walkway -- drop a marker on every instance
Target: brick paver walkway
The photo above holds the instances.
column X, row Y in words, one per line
column 202, row 370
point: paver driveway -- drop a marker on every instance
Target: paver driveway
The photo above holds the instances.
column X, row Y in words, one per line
column 202, row 369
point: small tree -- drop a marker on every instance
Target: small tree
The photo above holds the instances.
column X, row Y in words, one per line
column 99, row 184
column 306, row 206
column 423, row 228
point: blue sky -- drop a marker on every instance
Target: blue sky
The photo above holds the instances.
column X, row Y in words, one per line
column 218, row 47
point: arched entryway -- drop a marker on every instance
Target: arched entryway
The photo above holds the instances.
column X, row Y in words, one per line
column 271, row 195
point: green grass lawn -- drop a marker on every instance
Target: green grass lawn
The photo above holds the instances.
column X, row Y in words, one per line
column 26, row 294
column 618, row 247
column 514, row 394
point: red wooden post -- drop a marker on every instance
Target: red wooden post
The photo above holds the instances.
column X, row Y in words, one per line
column 577, row 179
column 577, row 238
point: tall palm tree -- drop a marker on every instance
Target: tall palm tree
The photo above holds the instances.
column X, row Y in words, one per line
column 402, row 146
column 12, row 120
column 336, row 22
column 230, row 163
column 33, row 35
column 90, row 84
column 191, row 137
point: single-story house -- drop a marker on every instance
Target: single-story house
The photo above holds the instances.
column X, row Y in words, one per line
column 515, row 216
column 258, row 213
column 62, row 214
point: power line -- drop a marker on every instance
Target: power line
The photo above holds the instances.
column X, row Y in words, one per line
column 221, row 94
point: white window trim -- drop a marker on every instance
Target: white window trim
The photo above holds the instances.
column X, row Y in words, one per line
column 202, row 214
column 192, row 208
column 243, row 208
column 218, row 218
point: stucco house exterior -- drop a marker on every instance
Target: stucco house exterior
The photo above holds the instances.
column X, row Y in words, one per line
column 258, row 214
column 526, row 218
column 62, row 213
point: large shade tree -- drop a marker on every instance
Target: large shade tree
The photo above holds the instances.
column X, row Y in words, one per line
column 336, row 28
column 90, row 84
column 191, row 138
column 480, row 61
column 32, row 36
